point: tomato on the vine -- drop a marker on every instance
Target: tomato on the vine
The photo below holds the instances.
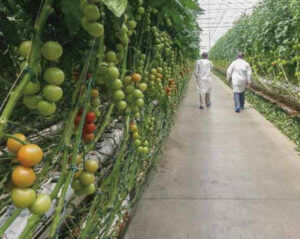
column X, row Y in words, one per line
column 52, row 93
column 87, row 179
column 13, row 145
column 90, row 117
column 46, row 108
column 54, row 76
column 23, row 176
column 91, row 166
column 52, row 50
column 88, row 137
column 89, row 128
column 30, row 155
column 24, row 48
column 22, row 197
column 41, row 204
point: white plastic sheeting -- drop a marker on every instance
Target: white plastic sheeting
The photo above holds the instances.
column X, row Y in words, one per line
column 219, row 17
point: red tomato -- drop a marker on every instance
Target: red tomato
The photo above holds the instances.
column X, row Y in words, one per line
column 88, row 137
column 90, row 117
column 89, row 128
column 80, row 111
column 77, row 120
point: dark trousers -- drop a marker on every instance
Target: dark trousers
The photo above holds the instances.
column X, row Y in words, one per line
column 239, row 100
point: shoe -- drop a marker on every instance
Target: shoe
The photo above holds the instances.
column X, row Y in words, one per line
column 201, row 107
column 208, row 105
column 237, row 110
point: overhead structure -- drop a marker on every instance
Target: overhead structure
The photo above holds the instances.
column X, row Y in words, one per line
column 219, row 17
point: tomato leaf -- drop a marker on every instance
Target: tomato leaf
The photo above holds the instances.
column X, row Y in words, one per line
column 118, row 7
column 71, row 9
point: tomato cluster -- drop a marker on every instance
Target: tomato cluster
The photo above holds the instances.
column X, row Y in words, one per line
column 89, row 126
column 83, row 179
column 54, row 77
column 91, row 15
column 23, row 176
column 141, row 146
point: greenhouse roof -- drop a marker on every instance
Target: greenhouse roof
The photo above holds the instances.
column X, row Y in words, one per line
column 219, row 16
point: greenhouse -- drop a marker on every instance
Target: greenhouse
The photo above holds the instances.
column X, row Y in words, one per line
column 150, row 119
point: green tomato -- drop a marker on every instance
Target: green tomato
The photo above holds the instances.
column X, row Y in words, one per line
column 121, row 105
column 127, row 80
column 24, row 48
column 113, row 72
column 87, row 179
column 95, row 29
column 129, row 89
column 41, row 204
column 140, row 103
column 118, row 95
column 140, row 149
column 89, row 190
column 91, row 12
column 84, row 23
column 137, row 143
column 54, row 76
column 32, row 88
column 91, row 166
column 138, row 94
column 52, row 93
column 76, row 185
column 111, row 57
column 116, row 84
column 141, row 10
column 46, row 108
column 96, row 102
column 132, row 24
column 31, row 101
column 23, row 65
column 143, row 87
column 22, row 197
column 137, row 115
column 145, row 150
column 146, row 143
column 52, row 50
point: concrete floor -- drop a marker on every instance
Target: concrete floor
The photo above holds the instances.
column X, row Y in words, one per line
column 223, row 176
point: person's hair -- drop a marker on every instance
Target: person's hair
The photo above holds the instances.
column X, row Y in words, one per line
column 240, row 55
column 204, row 55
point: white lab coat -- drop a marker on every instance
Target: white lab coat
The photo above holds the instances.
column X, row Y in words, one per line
column 202, row 75
column 239, row 72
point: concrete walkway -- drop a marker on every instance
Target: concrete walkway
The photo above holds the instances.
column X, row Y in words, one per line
column 223, row 176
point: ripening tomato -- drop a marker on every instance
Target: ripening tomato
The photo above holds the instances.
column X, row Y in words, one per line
column 135, row 135
column 90, row 117
column 13, row 145
column 96, row 102
column 78, row 159
column 89, row 128
column 88, row 137
column 95, row 93
column 78, row 173
column 52, row 50
column 143, row 87
column 136, row 78
column 22, row 197
column 91, row 166
column 30, row 155
column 127, row 80
column 133, row 128
column 23, row 176
column 41, row 204
column 87, row 179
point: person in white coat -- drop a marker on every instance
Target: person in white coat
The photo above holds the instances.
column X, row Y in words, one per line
column 203, row 80
column 239, row 74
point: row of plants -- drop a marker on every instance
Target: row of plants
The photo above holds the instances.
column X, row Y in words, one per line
column 287, row 124
column 72, row 72
column 270, row 39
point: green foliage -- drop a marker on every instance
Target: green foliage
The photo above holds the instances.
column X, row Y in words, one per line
column 118, row 7
column 270, row 39
column 71, row 10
